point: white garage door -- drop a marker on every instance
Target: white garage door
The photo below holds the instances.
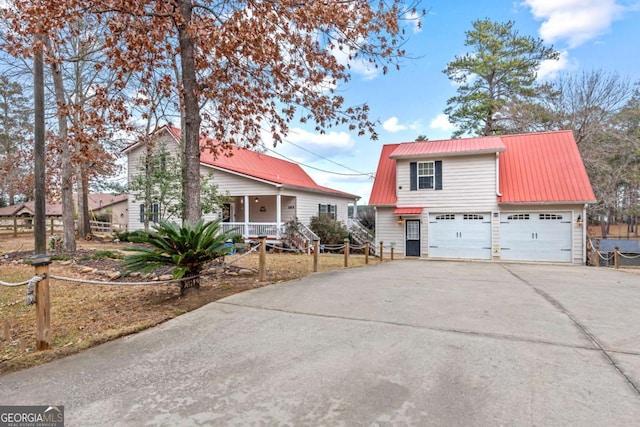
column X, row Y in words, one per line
column 460, row 235
column 536, row 236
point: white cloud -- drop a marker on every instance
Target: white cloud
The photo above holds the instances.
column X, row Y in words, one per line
column 549, row 69
column 393, row 125
column 441, row 122
column 345, row 55
column 299, row 136
column 327, row 140
column 575, row 21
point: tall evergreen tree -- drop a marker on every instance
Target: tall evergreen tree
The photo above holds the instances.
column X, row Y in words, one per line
column 501, row 65
column 15, row 138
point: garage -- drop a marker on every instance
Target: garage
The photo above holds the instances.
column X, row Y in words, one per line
column 536, row 236
column 460, row 235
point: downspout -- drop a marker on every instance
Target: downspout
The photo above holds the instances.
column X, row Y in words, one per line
column 498, row 175
column 279, row 211
column 585, row 225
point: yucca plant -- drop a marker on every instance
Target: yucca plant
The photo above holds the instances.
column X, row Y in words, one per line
column 185, row 247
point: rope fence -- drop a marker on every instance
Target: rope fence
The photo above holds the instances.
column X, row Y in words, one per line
column 12, row 285
column 612, row 258
column 38, row 285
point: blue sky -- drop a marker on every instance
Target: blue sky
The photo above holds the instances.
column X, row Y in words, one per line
column 590, row 34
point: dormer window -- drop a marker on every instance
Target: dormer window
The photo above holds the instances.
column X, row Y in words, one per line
column 426, row 175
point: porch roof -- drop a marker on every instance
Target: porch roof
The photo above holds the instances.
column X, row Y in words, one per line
column 408, row 211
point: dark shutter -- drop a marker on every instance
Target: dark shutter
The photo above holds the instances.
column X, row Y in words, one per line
column 319, row 209
column 438, row 175
column 142, row 212
column 413, row 176
column 156, row 209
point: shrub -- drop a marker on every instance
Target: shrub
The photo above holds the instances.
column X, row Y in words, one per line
column 330, row 231
column 187, row 248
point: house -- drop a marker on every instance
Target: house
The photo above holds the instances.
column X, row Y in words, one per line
column 265, row 192
column 102, row 206
column 110, row 207
column 27, row 210
column 512, row 197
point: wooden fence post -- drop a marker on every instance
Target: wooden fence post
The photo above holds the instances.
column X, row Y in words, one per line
column 346, row 253
column 381, row 246
column 392, row 248
column 316, row 250
column 616, row 257
column 263, row 258
column 43, row 302
column 51, row 225
column 366, row 253
column 15, row 227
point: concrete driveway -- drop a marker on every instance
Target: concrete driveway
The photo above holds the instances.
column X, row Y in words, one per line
column 402, row 343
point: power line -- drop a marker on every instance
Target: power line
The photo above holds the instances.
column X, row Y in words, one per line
column 370, row 174
column 325, row 158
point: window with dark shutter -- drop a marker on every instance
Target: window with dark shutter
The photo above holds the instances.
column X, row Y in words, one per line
column 413, row 176
column 156, row 211
column 438, row 174
column 142, row 213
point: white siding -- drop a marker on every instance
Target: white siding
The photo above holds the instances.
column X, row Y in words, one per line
column 294, row 203
column 388, row 230
column 308, row 205
column 133, row 164
column 467, row 181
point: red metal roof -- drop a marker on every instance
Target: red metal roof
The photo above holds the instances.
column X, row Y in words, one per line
column 408, row 211
column 384, row 185
column 261, row 166
column 543, row 168
column 448, row 147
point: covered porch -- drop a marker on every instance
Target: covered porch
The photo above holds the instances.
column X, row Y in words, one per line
column 258, row 215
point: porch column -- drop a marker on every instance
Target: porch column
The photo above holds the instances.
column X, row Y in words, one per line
column 278, row 212
column 355, row 209
column 246, row 217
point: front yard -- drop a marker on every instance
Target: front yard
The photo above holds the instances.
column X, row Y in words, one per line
column 84, row 315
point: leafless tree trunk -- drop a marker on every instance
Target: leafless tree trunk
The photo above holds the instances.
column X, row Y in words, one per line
column 68, row 222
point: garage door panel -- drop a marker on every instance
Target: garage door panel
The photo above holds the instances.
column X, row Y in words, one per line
column 460, row 235
column 536, row 236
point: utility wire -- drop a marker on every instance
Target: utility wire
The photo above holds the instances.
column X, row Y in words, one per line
column 324, row 158
column 370, row 174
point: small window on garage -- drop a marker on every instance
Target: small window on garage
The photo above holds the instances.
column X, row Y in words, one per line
column 518, row 217
column 551, row 217
column 446, row 217
column 473, row 217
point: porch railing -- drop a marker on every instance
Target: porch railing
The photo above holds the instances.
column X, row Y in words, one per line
column 359, row 232
column 254, row 229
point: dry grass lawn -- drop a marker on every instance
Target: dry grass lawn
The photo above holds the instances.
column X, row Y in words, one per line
column 84, row 315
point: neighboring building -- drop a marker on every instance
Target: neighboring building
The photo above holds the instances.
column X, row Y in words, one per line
column 513, row 197
column 113, row 207
column 27, row 210
column 102, row 206
column 265, row 192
